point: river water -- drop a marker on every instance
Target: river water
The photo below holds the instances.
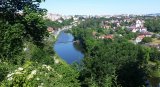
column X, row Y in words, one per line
column 64, row 47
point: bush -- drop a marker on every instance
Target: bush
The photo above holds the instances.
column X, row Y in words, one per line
column 33, row 74
column 147, row 40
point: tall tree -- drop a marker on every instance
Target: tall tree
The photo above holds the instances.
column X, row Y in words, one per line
column 20, row 21
column 153, row 25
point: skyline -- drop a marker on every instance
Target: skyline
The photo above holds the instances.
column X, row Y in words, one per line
column 103, row 7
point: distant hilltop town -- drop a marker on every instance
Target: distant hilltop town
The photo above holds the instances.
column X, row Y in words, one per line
column 56, row 17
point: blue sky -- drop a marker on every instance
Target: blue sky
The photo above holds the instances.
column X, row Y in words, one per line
column 101, row 7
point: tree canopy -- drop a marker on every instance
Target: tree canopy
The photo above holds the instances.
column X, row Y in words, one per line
column 20, row 21
column 153, row 25
column 113, row 62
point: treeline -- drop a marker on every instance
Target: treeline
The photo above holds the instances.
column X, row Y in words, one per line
column 153, row 25
column 114, row 62
column 58, row 24
column 92, row 23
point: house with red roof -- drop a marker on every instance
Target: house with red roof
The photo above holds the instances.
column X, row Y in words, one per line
column 108, row 37
column 146, row 34
column 139, row 38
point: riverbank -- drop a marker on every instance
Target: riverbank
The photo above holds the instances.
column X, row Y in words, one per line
column 52, row 39
column 67, row 50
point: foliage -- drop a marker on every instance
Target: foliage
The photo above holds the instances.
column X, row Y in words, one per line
column 146, row 40
column 91, row 23
column 33, row 74
column 53, row 24
column 21, row 21
column 153, row 25
column 5, row 68
column 67, row 22
column 39, row 61
column 112, row 63
column 57, row 24
column 126, row 33
column 27, row 58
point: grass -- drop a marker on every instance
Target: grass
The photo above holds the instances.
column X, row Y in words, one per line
column 155, row 41
column 153, row 72
column 151, row 63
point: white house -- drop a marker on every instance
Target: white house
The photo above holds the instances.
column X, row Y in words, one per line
column 139, row 23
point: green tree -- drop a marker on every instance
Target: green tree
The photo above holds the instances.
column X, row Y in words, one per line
column 147, row 39
column 107, row 61
column 32, row 74
column 153, row 25
column 20, row 21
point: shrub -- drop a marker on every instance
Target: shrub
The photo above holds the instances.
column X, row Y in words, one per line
column 147, row 40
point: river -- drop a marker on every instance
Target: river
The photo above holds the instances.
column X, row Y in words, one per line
column 64, row 47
